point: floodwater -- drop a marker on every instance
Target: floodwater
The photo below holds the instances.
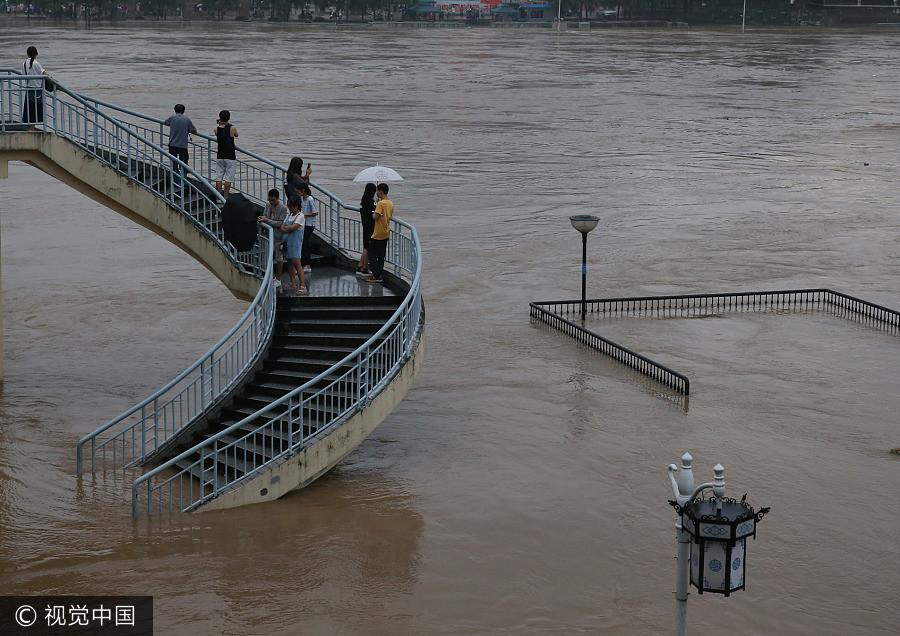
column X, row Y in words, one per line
column 521, row 486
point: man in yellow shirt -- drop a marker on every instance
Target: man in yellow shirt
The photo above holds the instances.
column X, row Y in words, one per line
column 384, row 210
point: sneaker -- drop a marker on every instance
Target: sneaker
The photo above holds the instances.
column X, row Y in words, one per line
column 277, row 283
column 307, row 269
column 363, row 272
column 372, row 279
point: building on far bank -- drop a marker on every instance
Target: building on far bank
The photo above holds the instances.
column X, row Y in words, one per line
column 540, row 11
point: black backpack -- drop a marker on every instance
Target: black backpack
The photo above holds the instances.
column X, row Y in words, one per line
column 239, row 222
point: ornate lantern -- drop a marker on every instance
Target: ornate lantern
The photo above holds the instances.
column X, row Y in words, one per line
column 719, row 529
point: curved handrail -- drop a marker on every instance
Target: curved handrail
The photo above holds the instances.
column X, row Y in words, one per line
column 22, row 78
column 74, row 124
column 264, row 298
column 96, row 132
column 257, row 181
column 294, row 405
column 374, row 363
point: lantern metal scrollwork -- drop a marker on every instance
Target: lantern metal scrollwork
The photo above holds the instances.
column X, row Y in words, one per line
column 712, row 536
column 719, row 529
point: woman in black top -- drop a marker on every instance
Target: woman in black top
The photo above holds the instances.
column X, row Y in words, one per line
column 296, row 178
column 366, row 208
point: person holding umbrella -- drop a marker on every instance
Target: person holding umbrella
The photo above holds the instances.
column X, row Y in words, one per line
column 375, row 224
column 384, row 210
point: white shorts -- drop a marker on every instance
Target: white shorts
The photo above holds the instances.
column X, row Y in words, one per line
column 225, row 170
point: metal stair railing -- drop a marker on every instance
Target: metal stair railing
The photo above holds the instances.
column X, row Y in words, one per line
column 339, row 224
column 195, row 390
column 146, row 163
column 254, row 175
column 374, row 364
column 148, row 424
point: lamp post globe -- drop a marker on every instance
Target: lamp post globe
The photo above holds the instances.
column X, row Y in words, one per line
column 584, row 223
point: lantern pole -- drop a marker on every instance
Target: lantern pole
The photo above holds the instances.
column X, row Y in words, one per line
column 684, row 493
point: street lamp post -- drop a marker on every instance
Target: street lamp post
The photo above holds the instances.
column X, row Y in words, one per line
column 712, row 537
column 584, row 223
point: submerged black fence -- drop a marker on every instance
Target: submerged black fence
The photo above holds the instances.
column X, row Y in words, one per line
column 555, row 313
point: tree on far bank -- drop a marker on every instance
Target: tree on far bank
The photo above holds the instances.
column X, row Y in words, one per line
column 219, row 7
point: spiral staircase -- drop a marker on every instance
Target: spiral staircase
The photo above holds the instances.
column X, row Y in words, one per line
column 297, row 383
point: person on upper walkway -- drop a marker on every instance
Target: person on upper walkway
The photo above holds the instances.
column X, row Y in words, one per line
column 310, row 213
column 180, row 126
column 225, row 154
column 296, row 177
column 34, row 96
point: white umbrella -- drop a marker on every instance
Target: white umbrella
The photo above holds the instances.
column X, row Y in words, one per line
column 377, row 174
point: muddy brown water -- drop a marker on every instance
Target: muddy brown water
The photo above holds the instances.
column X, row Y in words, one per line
column 520, row 487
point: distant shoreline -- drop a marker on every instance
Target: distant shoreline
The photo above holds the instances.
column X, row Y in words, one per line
column 452, row 23
column 420, row 24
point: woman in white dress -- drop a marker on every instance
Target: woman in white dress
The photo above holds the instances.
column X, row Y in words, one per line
column 34, row 96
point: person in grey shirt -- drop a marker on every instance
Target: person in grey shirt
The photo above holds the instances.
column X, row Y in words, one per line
column 274, row 215
column 179, row 129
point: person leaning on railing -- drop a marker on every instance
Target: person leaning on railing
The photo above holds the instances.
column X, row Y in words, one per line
column 293, row 229
column 34, row 96
column 225, row 153
column 180, row 127
column 275, row 214
column 296, row 178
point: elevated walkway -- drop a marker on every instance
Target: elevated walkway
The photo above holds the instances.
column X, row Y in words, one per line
column 297, row 383
column 145, row 196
